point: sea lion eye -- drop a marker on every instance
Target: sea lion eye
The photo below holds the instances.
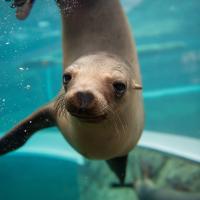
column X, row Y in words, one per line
column 119, row 88
column 66, row 78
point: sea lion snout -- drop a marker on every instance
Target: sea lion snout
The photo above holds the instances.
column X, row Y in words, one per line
column 82, row 100
column 83, row 104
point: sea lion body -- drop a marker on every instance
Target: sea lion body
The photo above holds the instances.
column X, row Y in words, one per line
column 102, row 27
column 99, row 109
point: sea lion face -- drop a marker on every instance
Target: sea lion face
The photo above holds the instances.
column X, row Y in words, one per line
column 96, row 87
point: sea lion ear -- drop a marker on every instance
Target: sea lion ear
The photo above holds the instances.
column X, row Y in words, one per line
column 136, row 85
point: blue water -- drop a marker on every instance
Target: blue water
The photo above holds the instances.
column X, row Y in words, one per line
column 25, row 180
column 46, row 168
column 167, row 34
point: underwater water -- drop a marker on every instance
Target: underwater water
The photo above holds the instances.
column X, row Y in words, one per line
column 167, row 35
column 168, row 43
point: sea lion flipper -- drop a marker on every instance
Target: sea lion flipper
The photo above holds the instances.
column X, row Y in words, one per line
column 15, row 138
column 118, row 166
column 23, row 8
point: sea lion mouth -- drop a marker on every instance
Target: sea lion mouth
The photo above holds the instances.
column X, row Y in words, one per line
column 89, row 118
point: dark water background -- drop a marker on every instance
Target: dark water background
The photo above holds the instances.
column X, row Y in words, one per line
column 168, row 41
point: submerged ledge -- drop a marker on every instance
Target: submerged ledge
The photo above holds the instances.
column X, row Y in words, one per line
column 49, row 144
column 181, row 146
column 52, row 144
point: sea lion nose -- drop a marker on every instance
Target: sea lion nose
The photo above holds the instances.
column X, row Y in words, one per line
column 84, row 99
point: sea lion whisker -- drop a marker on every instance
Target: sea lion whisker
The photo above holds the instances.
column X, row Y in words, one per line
column 114, row 121
column 121, row 123
column 124, row 123
column 116, row 128
column 60, row 105
column 121, row 120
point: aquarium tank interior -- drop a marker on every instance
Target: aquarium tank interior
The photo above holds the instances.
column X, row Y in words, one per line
column 167, row 35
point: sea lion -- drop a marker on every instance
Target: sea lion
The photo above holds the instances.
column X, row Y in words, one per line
column 99, row 109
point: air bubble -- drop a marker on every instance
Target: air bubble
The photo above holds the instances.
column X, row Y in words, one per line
column 28, row 87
